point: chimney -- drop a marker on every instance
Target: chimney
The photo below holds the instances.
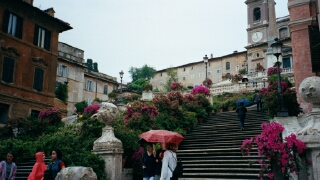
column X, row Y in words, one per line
column 211, row 56
column 235, row 51
column 29, row 1
column 50, row 11
column 95, row 67
column 89, row 64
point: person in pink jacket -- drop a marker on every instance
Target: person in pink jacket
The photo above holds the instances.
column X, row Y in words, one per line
column 8, row 168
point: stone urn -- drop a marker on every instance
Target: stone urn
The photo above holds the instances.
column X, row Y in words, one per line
column 77, row 173
column 108, row 146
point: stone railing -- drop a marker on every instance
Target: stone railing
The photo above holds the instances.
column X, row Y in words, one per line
column 256, row 75
column 241, row 87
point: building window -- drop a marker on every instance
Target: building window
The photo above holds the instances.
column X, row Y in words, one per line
column 200, row 74
column 209, row 73
column 184, row 69
column 184, row 78
column 192, row 76
column 89, row 85
column 209, row 64
column 256, row 14
column 227, row 65
column 218, row 71
column 192, row 68
column 38, row 79
column 237, row 68
column 105, row 89
column 13, row 24
column 4, row 113
column 42, row 37
column 161, row 83
column 34, row 113
column 89, row 101
column 286, row 63
column 63, row 70
column 283, row 33
column 7, row 70
column 160, row 74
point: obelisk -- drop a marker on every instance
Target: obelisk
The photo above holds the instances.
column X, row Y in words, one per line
column 272, row 33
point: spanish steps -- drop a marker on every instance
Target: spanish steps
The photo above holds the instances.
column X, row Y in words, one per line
column 210, row 151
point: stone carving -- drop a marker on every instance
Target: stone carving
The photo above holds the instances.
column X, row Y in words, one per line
column 108, row 113
column 70, row 119
column 310, row 90
column 10, row 52
column 40, row 62
column 76, row 173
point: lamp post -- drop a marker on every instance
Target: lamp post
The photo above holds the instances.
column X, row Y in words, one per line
column 205, row 60
column 277, row 51
column 121, row 76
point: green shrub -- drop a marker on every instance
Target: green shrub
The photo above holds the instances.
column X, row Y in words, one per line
column 81, row 105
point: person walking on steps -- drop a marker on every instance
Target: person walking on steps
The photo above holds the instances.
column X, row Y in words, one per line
column 257, row 100
column 242, row 112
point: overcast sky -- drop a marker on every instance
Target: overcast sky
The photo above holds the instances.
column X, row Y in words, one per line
column 119, row 34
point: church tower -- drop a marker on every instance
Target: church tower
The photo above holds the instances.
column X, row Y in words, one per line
column 261, row 28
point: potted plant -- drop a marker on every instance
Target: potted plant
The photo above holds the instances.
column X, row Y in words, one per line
column 175, row 86
column 147, row 87
column 209, row 110
column 201, row 114
column 236, row 78
column 209, row 81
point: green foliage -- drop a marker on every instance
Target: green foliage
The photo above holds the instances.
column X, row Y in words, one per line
column 242, row 71
column 98, row 100
column 80, row 106
column 137, row 85
column 144, row 72
column 156, row 90
column 75, row 141
column 113, row 96
column 61, row 92
column 228, row 100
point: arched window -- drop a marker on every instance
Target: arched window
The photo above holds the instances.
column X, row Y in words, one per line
column 256, row 14
column 283, row 33
column 227, row 65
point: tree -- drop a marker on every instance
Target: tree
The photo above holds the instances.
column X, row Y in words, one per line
column 145, row 72
column 172, row 77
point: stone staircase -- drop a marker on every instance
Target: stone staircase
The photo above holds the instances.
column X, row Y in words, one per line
column 210, row 151
column 24, row 168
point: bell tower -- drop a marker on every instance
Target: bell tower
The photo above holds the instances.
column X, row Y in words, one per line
column 260, row 20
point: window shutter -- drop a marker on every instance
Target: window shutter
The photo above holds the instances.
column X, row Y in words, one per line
column 8, row 69
column 47, row 40
column 60, row 69
column 19, row 27
column 6, row 21
column 92, row 86
column 38, row 79
column 86, row 85
column 67, row 71
column 36, row 33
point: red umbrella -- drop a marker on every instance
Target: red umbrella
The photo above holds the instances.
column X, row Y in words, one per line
column 162, row 136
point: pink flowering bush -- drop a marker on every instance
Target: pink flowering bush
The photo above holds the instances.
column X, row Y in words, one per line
column 176, row 86
column 200, row 90
column 51, row 115
column 236, row 77
column 140, row 116
column 137, row 156
column 91, row 109
column 273, row 71
column 270, row 145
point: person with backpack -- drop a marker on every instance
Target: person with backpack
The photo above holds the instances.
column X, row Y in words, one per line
column 257, row 100
column 39, row 167
column 56, row 165
column 242, row 112
column 169, row 161
column 8, row 168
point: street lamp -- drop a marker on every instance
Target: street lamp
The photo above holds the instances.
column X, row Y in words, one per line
column 121, row 76
column 277, row 51
column 205, row 60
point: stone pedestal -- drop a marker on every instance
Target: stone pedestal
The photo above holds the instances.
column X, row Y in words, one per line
column 122, row 107
column 108, row 146
column 127, row 174
column 147, row 95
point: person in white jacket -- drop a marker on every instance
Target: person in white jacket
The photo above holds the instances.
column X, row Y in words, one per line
column 169, row 161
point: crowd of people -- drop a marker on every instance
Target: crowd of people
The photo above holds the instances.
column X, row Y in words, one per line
column 40, row 171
